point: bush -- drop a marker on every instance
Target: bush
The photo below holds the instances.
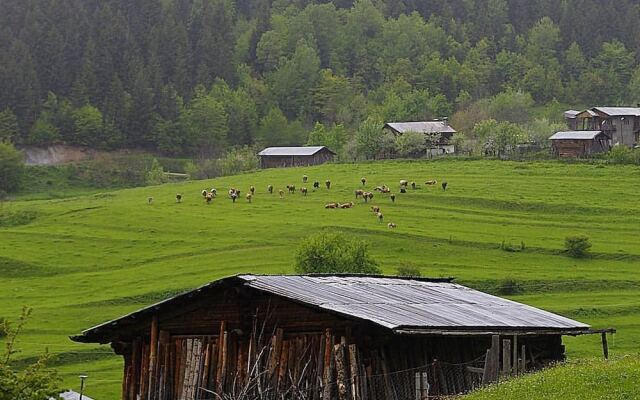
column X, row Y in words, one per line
column 577, row 246
column 623, row 155
column 409, row 271
column 33, row 382
column 155, row 175
column 509, row 286
column 334, row 253
column 239, row 159
column 4, row 329
column 11, row 167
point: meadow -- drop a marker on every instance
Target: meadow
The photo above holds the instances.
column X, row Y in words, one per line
column 82, row 260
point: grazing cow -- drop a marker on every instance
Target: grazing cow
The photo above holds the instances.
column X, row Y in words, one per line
column 328, row 184
column 208, row 198
column 391, row 225
column 431, row 182
column 178, row 198
column 347, row 205
column 234, row 197
column 413, row 185
column 214, row 192
column 303, row 191
column 316, row 185
column 249, row 197
column 404, row 183
column 403, row 190
column 291, row 188
column 281, row 192
column 304, row 179
column 380, row 217
column 149, row 200
column 364, row 181
column 368, row 196
column 252, row 189
column 375, row 209
column 331, row 205
column 444, row 186
column 270, row 189
column 204, row 193
column 393, row 198
column 359, row 193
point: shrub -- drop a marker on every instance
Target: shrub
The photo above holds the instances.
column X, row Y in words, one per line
column 577, row 246
column 334, row 253
column 32, row 382
column 509, row 286
column 11, row 167
column 239, row 159
column 155, row 175
column 4, row 329
column 623, row 155
column 409, row 270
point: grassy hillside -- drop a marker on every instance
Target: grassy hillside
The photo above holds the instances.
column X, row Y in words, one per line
column 587, row 379
column 82, row 260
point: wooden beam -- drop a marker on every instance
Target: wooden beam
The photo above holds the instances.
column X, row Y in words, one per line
column 605, row 346
column 153, row 357
column 514, row 361
column 506, row 357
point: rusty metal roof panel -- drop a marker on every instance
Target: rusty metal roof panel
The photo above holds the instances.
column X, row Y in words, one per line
column 292, row 151
column 395, row 303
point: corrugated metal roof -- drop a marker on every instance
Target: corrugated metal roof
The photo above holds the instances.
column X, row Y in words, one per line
column 391, row 302
column 619, row 111
column 571, row 114
column 575, row 135
column 71, row 395
column 292, row 151
column 395, row 303
column 422, row 127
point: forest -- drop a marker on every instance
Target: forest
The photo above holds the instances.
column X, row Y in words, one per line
column 197, row 77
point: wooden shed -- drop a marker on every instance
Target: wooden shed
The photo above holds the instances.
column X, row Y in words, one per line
column 276, row 157
column 579, row 143
column 329, row 337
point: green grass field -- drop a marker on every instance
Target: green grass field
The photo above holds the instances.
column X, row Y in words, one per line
column 79, row 261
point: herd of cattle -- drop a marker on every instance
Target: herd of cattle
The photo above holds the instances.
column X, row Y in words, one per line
column 367, row 196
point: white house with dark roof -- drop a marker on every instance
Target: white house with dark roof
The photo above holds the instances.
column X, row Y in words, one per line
column 441, row 127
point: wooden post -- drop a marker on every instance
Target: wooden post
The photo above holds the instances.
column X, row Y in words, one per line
column 341, row 371
column 506, row 357
column 153, row 355
column 328, row 365
column 487, row 373
column 605, row 346
column 515, row 363
column 524, row 360
column 355, row 379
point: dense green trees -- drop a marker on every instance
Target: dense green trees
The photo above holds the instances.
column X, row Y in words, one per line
column 147, row 74
column 11, row 166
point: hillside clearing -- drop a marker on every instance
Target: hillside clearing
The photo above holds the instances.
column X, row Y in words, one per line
column 83, row 260
column 585, row 379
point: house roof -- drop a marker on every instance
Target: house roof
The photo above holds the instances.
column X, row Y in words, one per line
column 292, row 151
column 422, row 127
column 399, row 304
column 571, row 114
column 71, row 395
column 575, row 135
column 619, row 111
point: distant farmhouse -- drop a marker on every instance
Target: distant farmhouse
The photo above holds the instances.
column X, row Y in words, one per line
column 596, row 130
column 441, row 127
column 277, row 157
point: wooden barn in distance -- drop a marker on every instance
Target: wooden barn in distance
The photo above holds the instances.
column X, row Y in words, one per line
column 277, row 157
column 579, row 143
column 329, row 337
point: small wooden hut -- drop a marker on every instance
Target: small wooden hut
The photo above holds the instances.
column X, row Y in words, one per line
column 277, row 157
column 329, row 337
column 579, row 143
